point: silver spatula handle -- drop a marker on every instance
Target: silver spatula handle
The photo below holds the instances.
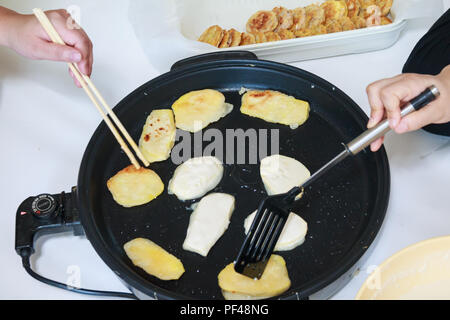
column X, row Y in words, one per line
column 369, row 136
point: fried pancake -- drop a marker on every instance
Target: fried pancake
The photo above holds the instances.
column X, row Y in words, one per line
column 226, row 40
column 373, row 16
column 367, row 3
column 213, row 35
column 315, row 15
column 320, row 29
column 247, row 38
column 158, row 135
column 274, row 281
column 299, row 19
column 285, row 18
column 333, row 26
column 353, row 7
column 385, row 6
column 235, row 37
column 153, row 259
column 334, row 9
column 274, row 106
column 197, row 109
column 260, row 37
column 286, row 34
column 359, row 22
column 272, row 36
column 385, row 21
column 133, row 187
column 263, row 21
column 346, row 24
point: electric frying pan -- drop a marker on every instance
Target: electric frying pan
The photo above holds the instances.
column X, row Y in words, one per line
column 344, row 209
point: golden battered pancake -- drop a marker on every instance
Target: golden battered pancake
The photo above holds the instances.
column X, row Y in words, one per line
column 153, row 259
column 272, row 36
column 133, row 187
column 299, row 19
column 285, row 18
column 359, row 22
column 247, row 38
column 158, row 135
column 315, row 15
column 333, row 26
column 263, row 21
column 274, row 106
column 226, row 40
column 273, row 282
column 213, row 35
column 334, row 9
column 197, row 109
column 286, row 34
column 372, row 15
column 385, row 6
column 346, row 24
column 353, row 7
column 235, row 37
column 385, row 21
column 260, row 37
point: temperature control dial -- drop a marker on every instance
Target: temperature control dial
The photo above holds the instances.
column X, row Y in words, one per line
column 44, row 206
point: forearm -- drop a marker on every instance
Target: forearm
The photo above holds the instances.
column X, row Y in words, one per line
column 6, row 18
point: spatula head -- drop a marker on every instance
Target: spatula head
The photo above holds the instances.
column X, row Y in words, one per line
column 264, row 233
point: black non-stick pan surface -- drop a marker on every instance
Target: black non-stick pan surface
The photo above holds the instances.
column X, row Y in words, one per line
column 344, row 210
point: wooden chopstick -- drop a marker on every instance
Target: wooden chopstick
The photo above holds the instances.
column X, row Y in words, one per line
column 88, row 85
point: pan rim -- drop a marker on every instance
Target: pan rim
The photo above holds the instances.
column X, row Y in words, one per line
column 133, row 280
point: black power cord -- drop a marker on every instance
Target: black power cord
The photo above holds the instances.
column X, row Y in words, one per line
column 25, row 254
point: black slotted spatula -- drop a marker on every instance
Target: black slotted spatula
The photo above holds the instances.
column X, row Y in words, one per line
column 274, row 210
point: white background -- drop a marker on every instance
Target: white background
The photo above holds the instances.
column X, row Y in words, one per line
column 46, row 123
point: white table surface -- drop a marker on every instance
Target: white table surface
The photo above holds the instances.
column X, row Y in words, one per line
column 46, row 123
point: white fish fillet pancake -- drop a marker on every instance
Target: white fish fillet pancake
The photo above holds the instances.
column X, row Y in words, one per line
column 195, row 177
column 293, row 233
column 158, row 135
column 197, row 109
column 280, row 173
column 208, row 222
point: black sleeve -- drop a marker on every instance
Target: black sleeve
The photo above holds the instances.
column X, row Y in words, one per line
column 430, row 55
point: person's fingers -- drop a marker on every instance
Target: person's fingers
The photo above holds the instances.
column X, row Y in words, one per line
column 74, row 37
column 419, row 119
column 376, row 104
column 376, row 145
column 42, row 49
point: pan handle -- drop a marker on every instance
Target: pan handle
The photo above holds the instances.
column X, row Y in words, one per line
column 46, row 214
column 214, row 56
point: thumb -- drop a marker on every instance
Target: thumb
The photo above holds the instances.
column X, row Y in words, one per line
column 56, row 52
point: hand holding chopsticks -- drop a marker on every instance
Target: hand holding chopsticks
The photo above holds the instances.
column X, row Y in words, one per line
column 91, row 90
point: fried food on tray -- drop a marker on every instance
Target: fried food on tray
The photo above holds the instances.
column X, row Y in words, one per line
column 133, row 187
column 334, row 9
column 276, row 107
column 274, row 281
column 197, row 109
column 247, row 38
column 153, row 259
column 208, row 222
column 353, row 7
column 213, row 35
column 359, row 22
column 315, row 15
column 282, row 23
column 158, row 135
column 385, row 21
column 260, row 37
column 235, row 37
column 263, row 21
column 372, row 15
column 285, row 18
column 272, row 36
column 299, row 19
